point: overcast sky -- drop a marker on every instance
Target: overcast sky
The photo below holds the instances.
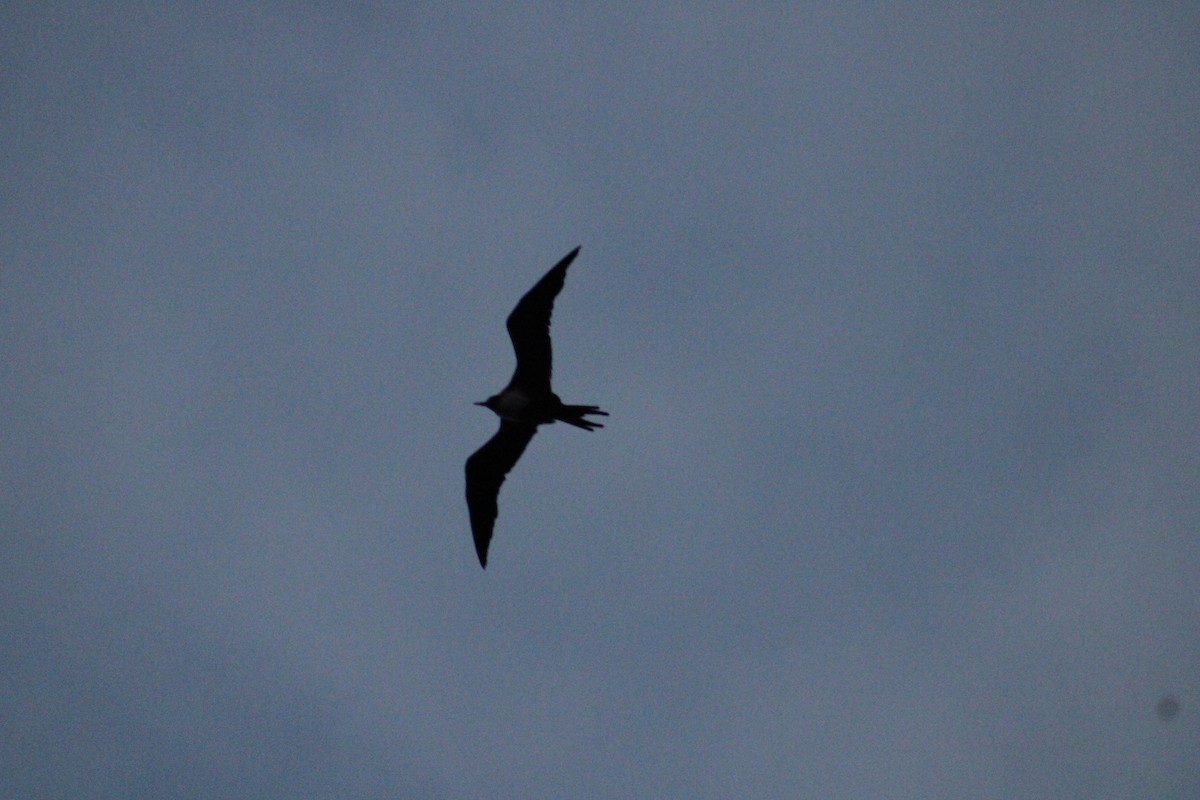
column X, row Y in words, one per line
column 895, row 307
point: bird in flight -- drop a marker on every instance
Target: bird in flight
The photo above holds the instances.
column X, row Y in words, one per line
column 524, row 404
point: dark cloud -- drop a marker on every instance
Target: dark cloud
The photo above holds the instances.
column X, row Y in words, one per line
column 895, row 314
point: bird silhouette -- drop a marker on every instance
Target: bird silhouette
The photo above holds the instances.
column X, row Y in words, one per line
column 522, row 406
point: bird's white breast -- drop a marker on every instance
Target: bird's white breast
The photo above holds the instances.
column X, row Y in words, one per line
column 512, row 405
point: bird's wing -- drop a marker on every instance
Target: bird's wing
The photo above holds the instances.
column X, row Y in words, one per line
column 486, row 469
column 529, row 327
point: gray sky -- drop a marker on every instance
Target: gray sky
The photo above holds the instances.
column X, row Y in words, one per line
column 895, row 308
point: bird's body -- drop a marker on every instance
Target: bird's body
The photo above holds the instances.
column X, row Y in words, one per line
column 514, row 406
column 522, row 406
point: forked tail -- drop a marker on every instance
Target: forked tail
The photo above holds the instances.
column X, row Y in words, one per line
column 574, row 415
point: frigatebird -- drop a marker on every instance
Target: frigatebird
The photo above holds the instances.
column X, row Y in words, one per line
column 522, row 406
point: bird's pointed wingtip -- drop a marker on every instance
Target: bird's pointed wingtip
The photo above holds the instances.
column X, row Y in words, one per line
column 561, row 267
